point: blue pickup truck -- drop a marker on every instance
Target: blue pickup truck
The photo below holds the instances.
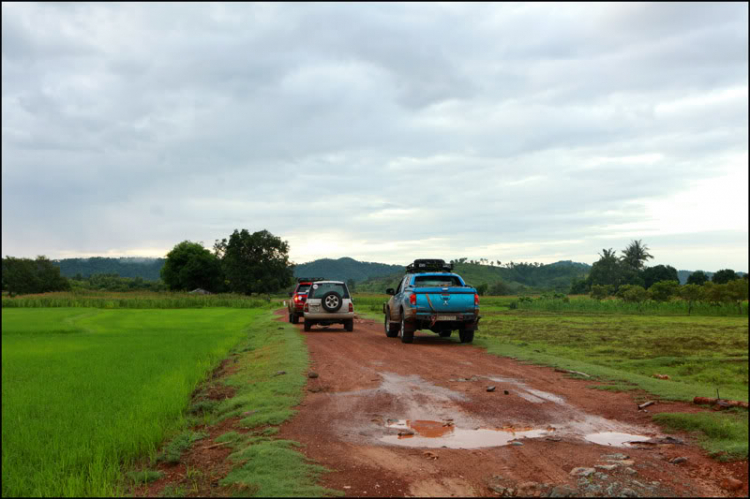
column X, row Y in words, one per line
column 431, row 296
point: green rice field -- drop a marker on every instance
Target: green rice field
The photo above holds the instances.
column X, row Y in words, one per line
column 86, row 391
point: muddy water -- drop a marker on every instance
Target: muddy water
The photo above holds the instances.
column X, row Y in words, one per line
column 434, row 434
column 614, row 439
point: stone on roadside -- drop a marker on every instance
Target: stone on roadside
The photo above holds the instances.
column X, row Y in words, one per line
column 279, row 373
column 562, row 491
column 606, row 467
column 628, row 493
column 490, row 388
column 517, row 444
column 506, row 392
column 678, row 460
column 730, row 483
column 582, row 471
column 615, row 457
column 629, row 471
column 312, row 374
column 601, row 476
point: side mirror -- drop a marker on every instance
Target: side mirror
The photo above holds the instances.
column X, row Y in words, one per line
column 291, row 293
column 390, row 291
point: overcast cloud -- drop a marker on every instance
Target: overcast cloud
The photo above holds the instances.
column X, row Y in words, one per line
column 384, row 132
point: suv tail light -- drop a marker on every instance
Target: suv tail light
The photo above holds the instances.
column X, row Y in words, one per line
column 476, row 300
column 351, row 307
column 413, row 299
column 307, row 307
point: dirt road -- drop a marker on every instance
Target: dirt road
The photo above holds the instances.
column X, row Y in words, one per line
column 418, row 420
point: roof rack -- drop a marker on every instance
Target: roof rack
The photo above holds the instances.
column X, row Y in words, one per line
column 310, row 279
column 429, row 265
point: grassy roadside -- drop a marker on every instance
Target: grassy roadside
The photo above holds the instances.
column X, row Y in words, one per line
column 699, row 354
column 262, row 382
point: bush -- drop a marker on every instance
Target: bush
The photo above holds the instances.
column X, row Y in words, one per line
column 600, row 292
column 632, row 293
column 664, row 290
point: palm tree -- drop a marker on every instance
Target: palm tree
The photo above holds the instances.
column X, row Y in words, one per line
column 635, row 255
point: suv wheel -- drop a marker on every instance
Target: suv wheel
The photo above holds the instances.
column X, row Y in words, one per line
column 294, row 318
column 349, row 325
column 308, row 325
column 405, row 332
column 331, row 301
column 391, row 329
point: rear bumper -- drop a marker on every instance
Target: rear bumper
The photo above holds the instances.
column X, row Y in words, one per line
column 431, row 320
column 325, row 316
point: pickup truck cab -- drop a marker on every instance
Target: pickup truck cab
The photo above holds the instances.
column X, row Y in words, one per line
column 430, row 296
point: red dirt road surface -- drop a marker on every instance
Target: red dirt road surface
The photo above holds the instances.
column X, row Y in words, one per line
column 393, row 419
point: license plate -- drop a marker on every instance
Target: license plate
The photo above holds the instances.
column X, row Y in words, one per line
column 446, row 317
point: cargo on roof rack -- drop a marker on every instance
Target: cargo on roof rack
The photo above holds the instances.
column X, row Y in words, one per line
column 310, row 279
column 429, row 265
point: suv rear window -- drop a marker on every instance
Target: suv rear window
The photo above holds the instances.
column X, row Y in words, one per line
column 437, row 281
column 303, row 288
column 321, row 288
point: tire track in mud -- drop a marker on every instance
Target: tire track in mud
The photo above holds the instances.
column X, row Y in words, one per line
column 371, row 388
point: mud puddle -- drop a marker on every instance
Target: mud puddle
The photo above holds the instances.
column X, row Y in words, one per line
column 614, row 439
column 435, row 434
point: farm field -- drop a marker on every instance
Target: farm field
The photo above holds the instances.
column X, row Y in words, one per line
column 85, row 390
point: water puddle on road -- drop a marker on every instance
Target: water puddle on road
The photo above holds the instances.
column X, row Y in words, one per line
column 435, row 434
column 614, row 439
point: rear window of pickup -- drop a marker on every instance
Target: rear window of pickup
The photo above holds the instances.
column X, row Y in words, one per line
column 437, row 281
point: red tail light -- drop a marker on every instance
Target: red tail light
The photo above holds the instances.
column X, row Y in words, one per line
column 307, row 307
column 413, row 299
column 351, row 307
column 476, row 300
column 296, row 298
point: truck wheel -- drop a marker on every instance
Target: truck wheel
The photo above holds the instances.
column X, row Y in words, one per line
column 466, row 335
column 391, row 330
column 405, row 332
column 308, row 325
column 349, row 325
column 445, row 334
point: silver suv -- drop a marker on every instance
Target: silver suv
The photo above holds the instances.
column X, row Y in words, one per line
column 329, row 302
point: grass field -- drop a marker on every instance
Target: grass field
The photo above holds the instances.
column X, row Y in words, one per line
column 86, row 390
column 140, row 300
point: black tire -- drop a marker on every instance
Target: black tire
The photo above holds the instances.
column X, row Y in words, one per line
column 466, row 335
column 391, row 330
column 445, row 334
column 290, row 319
column 405, row 332
column 295, row 319
column 349, row 325
column 308, row 325
column 331, row 301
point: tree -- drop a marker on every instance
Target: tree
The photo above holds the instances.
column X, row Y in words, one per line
column 737, row 291
column 698, row 277
column 255, row 263
column 691, row 293
column 632, row 293
column 579, row 287
column 715, row 293
column 482, row 289
column 664, row 290
column 652, row 275
column 189, row 266
column 724, row 276
column 635, row 255
column 610, row 270
column 600, row 292
column 352, row 285
column 23, row 276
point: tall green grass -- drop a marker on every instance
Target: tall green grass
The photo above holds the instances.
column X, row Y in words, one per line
column 140, row 300
column 86, row 390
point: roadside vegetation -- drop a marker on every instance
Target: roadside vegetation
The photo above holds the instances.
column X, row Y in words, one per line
column 86, row 390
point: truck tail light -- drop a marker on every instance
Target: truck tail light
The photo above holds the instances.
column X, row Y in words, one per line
column 476, row 300
column 351, row 307
column 296, row 298
column 413, row 299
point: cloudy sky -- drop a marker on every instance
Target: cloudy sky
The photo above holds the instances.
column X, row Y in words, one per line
column 384, row 132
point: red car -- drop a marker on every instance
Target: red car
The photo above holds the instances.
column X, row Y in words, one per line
column 299, row 297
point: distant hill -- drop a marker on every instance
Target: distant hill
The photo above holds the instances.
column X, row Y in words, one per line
column 145, row 268
column 519, row 278
column 345, row 268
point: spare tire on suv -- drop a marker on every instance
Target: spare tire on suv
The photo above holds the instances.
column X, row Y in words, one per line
column 331, row 301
